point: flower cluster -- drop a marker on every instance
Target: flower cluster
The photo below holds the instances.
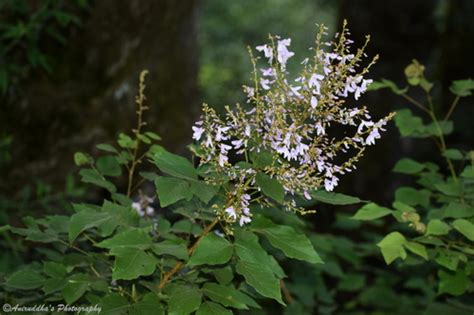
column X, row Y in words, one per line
column 301, row 124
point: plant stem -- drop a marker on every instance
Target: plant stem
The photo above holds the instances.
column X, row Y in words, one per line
column 167, row 276
column 415, row 102
column 451, row 109
column 286, row 293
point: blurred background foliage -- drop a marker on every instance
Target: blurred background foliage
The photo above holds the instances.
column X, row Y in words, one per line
column 68, row 71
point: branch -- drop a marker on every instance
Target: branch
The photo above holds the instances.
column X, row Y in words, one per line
column 179, row 264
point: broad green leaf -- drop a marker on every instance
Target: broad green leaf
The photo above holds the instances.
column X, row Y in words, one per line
column 126, row 142
column 54, row 269
column 173, row 247
column 53, row 284
column 75, row 287
column 453, row 154
column 468, row 172
column 149, row 305
column 256, row 265
column 371, row 211
column 450, row 188
column 85, row 220
column 462, row 87
column 227, row 296
column 392, row 247
column 437, row 227
column 114, row 304
column 93, row 177
column 448, row 259
column 131, row 238
column 204, row 191
column 184, row 300
column 412, row 196
column 271, row 187
column 464, row 227
column 131, row 263
column 407, row 123
column 210, row 308
column 224, row 275
column 291, row 242
column 418, row 249
column 25, row 279
column 458, row 210
column 212, row 250
column 454, row 284
column 408, row 166
column 109, row 166
column 82, row 159
column 334, row 198
column 262, row 159
column 171, row 190
column 172, row 164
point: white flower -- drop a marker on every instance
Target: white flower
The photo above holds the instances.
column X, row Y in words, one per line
column 267, row 50
column 198, row 131
column 231, row 213
column 314, row 101
column 223, row 159
column 149, row 211
column 283, row 53
column 307, row 195
column 244, row 220
column 265, row 83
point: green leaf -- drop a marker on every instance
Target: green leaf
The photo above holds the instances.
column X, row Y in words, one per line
column 106, row 147
column 412, row 196
column 212, row 250
column 256, row 265
column 462, row 87
column 109, row 166
column 371, row 211
column 407, row 123
column 174, row 247
column 262, row 159
column 458, row 210
column 468, row 172
column 291, row 242
column 25, row 279
column 392, row 247
column 149, row 305
column 437, row 227
column 184, row 300
column 227, row 296
column 334, row 198
column 53, row 284
column 82, row 159
column 456, row 284
column 93, row 177
column 224, row 275
column 204, row 191
column 54, row 269
column 271, row 187
column 418, row 249
column 153, row 135
column 114, row 304
column 464, row 227
column 85, row 220
column 408, row 166
column 448, row 259
column 384, row 83
column 453, row 154
column 210, row 308
column 130, row 238
column 172, row 164
column 171, row 190
column 76, row 286
column 126, row 142
column 131, row 263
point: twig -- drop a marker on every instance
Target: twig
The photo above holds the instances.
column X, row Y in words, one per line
column 286, row 292
column 167, row 276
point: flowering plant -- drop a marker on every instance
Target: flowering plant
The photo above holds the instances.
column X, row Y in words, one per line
column 288, row 128
column 132, row 257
